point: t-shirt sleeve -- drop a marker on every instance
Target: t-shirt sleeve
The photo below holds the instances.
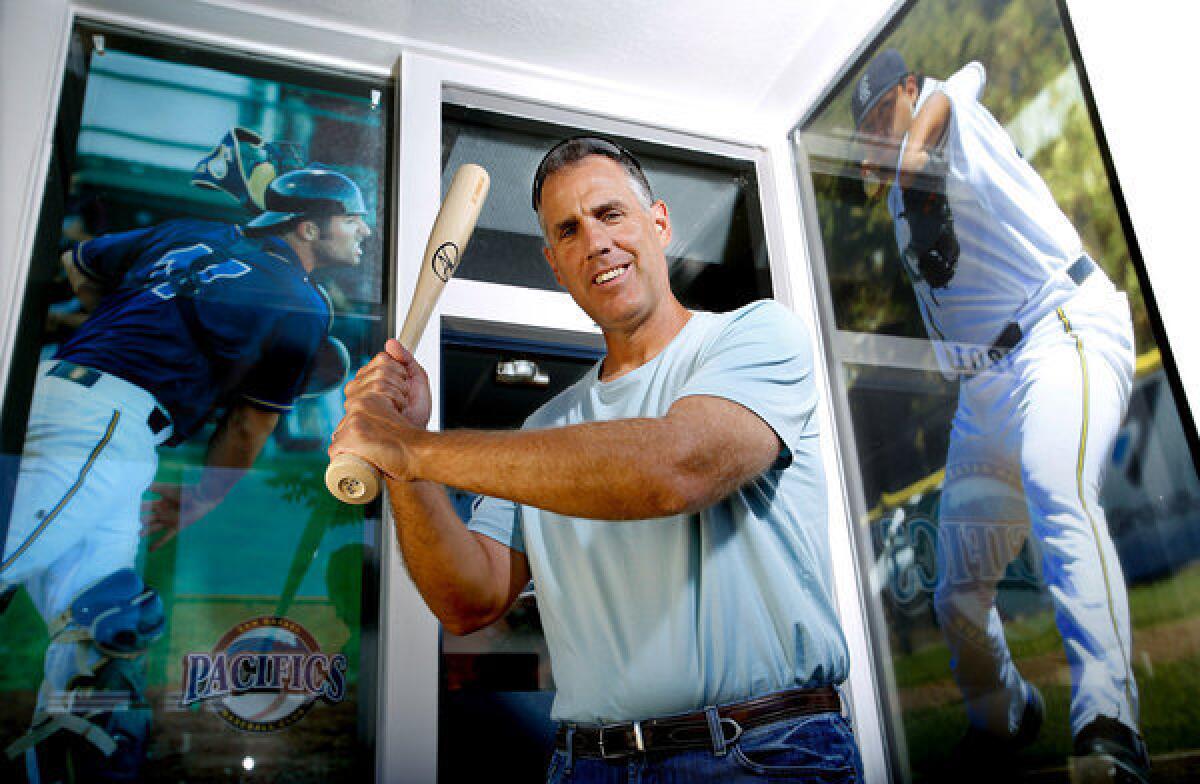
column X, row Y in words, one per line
column 107, row 258
column 762, row 360
column 500, row 520
column 966, row 83
column 974, row 137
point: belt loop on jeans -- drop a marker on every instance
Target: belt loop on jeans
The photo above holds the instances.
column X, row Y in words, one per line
column 715, row 731
column 570, row 750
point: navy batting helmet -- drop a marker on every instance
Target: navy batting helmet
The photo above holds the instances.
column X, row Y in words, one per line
column 308, row 193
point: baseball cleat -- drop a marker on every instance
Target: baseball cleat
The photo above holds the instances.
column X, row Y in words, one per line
column 1108, row 752
column 992, row 758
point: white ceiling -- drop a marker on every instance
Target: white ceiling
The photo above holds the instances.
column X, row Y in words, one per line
column 772, row 56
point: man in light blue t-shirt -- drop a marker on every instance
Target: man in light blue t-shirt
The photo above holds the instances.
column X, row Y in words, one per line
column 670, row 507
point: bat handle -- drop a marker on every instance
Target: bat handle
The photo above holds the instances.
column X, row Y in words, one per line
column 352, row 480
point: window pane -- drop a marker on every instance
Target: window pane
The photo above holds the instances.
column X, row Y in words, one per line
column 717, row 257
column 1022, row 463
column 184, row 326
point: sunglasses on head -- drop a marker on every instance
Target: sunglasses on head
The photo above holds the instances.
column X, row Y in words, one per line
column 592, row 145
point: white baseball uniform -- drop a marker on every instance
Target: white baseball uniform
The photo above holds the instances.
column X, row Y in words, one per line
column 1033, row 428
column 76, row 510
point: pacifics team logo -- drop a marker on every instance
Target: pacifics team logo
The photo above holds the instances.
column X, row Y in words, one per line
column 264, row 675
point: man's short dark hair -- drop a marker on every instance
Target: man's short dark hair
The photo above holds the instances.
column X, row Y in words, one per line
column 575, row 149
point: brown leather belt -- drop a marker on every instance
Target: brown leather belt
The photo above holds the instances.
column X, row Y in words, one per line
column 691, row 730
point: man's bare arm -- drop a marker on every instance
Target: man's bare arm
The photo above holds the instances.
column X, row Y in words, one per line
column 232, row 450
column 927, row 131
column 467, row 579
column 700, row 452
column 87, row 290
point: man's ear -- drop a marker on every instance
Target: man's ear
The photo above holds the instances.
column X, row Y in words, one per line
column 662, row 221
column 309, row 230
column 549, row 254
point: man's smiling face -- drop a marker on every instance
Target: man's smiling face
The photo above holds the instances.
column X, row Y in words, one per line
column 605, row 246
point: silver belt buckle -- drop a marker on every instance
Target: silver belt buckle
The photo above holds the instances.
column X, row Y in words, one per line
column 638, row 740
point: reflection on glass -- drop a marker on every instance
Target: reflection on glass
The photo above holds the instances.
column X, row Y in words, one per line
column 717, row 255
column 219, row 277
column 1005, row 412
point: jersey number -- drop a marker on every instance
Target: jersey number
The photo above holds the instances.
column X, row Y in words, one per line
column 180, row 271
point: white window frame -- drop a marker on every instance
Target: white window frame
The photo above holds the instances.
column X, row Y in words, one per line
column 408, row 752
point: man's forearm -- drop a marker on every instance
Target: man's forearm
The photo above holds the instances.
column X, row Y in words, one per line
column 620, row 470
column 87, row 290
column 926, row 134
column 447, row 563
column 232, row 450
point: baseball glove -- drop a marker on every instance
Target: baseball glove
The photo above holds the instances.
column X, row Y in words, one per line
column 933, row 246
column 330, row 368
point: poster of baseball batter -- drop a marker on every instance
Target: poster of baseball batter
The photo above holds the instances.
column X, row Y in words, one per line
column 1031, row 497
column 212, row 270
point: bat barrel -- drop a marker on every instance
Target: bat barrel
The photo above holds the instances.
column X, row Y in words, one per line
column 351, row 479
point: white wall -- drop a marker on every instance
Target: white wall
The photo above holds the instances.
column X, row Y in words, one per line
column 33, row 38
column 1144, row 85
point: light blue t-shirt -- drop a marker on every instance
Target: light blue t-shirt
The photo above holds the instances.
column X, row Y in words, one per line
column 651, row 617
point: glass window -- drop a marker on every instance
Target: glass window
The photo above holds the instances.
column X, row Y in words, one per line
column 209, row 267
column 717, row 257
column 496, row 686
column 1022, row 459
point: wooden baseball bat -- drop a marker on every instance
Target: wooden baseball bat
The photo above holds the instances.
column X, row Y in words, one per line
column 352, row 479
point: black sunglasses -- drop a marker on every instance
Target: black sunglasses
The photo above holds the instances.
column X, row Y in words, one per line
column 593, row 145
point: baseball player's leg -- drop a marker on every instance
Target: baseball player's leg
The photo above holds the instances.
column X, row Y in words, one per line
column 92, row 713
column 1074, row 407
column 87, row 461
column 982, row 525
column 78, row 503
column 91, row 707
column 69, row 439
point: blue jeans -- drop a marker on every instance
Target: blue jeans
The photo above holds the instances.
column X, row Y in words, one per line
column 818, row 748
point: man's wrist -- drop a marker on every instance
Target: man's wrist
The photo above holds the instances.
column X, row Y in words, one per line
column 420, row 445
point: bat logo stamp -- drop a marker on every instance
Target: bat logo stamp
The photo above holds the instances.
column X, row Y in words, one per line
column 445, row 259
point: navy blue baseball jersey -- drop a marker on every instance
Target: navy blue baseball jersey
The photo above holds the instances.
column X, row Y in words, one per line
column 199, row 315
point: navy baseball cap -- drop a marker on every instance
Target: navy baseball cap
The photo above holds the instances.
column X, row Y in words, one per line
column 883, row 73
column 311, row 192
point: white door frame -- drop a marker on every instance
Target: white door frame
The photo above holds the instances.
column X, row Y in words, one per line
column 408, row 747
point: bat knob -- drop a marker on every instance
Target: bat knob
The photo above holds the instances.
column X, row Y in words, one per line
column 352, row 480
